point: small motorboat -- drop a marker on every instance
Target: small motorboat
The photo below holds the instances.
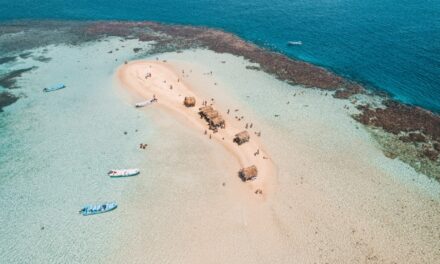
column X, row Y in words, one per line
column 145, row 103
column 123, row 173
column 54, row 87
column 294, row 43
column 97, row 209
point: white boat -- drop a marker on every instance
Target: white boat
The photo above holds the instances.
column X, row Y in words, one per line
column 123, row 173
column 294, row 43
column 145, row 103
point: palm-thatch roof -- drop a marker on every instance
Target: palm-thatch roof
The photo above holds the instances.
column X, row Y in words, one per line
column 249, row 173
column 211, row 115
column 203, row 110
column 241, row 137
column 189, row 101
column 217, row 121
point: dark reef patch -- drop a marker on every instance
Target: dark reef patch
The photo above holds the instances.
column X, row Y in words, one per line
column 25, row 55
column 410, row 124
column 7, row 59
column 397, row 117
column 42, row 59
column 9, row 80
column 6, row 99
column 174, row 37
column 255, row 68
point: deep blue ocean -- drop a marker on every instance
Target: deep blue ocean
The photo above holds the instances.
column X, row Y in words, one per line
column 393, row 45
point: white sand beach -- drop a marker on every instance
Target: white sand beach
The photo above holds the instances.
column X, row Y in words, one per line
column 331, row 194
column 169, row 88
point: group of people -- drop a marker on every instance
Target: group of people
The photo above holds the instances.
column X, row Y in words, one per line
column 143, row 146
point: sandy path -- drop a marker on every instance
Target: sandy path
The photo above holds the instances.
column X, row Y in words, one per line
column 164, row 76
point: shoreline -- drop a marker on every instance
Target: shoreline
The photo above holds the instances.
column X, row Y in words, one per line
column 164, row 76
column 414, row 128
column 322, row 182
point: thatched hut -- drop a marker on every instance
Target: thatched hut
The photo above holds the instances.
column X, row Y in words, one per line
column 211, row 115
column 189, row 101
column 241, row 137
column 217, row 121
column 214, row 119
column 248, row 174
column 205, row 109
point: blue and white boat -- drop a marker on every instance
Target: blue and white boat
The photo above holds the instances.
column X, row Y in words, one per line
column 98, row 209
column 55, row 87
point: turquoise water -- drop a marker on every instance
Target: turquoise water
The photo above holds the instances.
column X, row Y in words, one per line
column 393, row 45
column 56, row 149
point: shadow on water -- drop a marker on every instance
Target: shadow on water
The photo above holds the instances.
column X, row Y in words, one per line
column 6, row 99
column 9, row 80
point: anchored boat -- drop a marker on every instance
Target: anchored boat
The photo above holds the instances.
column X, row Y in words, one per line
column 54, row 87
column 123, row 173
column 98, row 209
column 145, row 103
column 294, row 43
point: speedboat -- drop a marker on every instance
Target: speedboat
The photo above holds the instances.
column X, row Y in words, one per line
column 54, row 87
column 294, row 43
column 97, row 209
column 145, row 103
column 123, row 173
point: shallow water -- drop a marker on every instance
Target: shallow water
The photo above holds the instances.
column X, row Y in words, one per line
column 57, row 147
column 56, row 150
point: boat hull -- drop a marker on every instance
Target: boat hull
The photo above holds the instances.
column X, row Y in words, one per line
column 121, row 176
column 98, row 209
column 294, row 43
column 123, row 173
column 54, row 88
